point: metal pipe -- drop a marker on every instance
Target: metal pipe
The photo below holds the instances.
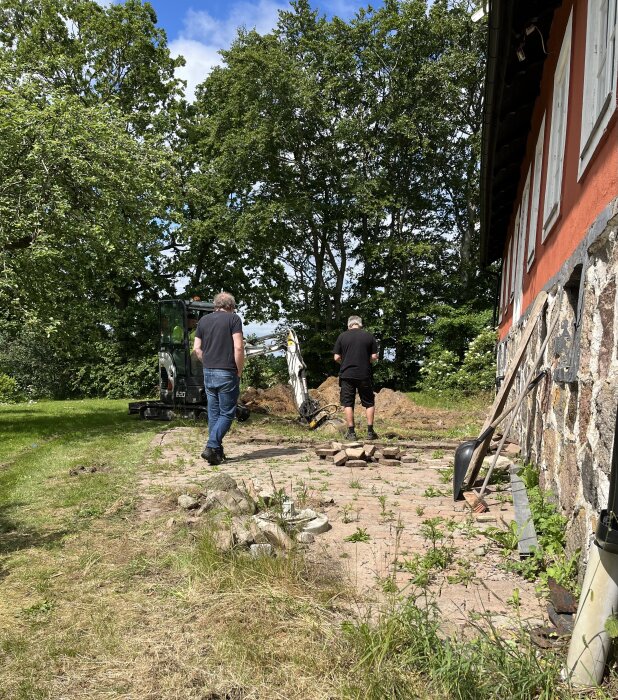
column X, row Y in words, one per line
column 590, row 642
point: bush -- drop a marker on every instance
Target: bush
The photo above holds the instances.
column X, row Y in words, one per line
column 40, row 369
column 264, row 371
column 113, row 379
column 9, row 391
column 443, row 372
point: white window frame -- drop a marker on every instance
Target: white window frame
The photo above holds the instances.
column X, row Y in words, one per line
column 557, row 135
column 513, row 253
column 536, row 194
column 600, row 76
column 520, row 257
column 507, row 276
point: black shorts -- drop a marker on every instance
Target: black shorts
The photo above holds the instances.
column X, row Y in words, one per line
column 349, row 387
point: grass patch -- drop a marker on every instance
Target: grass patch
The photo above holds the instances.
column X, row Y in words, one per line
column 405, row 654
column 451, row 400
column 98, row 603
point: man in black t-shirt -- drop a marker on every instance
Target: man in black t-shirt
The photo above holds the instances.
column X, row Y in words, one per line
column 219, row 344
column 356, row 349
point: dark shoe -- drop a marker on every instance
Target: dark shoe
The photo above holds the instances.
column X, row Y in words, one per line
column 220, row 454
column 371, row 434
column 211, row 456
column 350, row 435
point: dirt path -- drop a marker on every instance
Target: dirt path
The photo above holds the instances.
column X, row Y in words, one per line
column 392, row 505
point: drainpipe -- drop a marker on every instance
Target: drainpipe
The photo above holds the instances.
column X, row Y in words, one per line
column 590, row 642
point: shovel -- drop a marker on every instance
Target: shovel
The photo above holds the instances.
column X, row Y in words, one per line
column 463, row 454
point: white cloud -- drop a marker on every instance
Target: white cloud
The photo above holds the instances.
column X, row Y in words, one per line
column 203, row 36
column 200, row 60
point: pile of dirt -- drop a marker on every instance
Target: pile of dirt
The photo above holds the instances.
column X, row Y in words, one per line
column 389, row 403
column 277, row 400
column 327, row 392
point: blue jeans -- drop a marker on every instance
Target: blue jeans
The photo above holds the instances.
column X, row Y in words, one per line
column 222, row 391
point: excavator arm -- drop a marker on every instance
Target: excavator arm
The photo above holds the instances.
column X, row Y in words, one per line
column 309, row 409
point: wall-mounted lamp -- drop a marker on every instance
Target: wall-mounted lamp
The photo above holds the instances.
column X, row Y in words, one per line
column 480, row 13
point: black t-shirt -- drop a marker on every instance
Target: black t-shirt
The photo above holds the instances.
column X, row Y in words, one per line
column 215, row 330
column 356, row 347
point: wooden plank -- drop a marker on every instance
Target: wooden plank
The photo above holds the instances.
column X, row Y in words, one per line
column 499, row 402
column 523, row 516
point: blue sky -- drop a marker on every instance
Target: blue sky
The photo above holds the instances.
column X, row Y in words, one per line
column 198, row 29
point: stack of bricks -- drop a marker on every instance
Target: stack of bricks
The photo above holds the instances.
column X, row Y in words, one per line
column 358, row 454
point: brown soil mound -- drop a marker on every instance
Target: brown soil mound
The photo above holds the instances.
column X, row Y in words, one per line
column 389, row 403
column 327, row 392
column 394, row 404
column 277, row 400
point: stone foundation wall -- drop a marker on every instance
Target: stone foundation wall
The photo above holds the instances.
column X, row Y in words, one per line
column 566, row 424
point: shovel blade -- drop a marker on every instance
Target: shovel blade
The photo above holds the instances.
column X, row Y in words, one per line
column 463, row 455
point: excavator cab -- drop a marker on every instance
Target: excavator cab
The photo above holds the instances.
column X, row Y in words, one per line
column 181, row 378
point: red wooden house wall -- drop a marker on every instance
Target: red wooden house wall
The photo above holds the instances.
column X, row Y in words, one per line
column 583, row 198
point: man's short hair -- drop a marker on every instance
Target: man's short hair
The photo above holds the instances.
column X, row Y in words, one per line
column 355, row 321
column 224, row 300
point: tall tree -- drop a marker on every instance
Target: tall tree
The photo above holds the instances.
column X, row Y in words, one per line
column 329, row 156
column 87, row 116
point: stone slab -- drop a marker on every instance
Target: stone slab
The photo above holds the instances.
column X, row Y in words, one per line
column 369, row 450
column 512, row 450
column 502, row 463
column 355, row 452
column 326, row 452
column 523, row 516
column 340, row 458
column 391, row 452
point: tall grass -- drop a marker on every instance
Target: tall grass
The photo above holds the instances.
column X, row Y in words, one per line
column 451, row 400
column 406, row 654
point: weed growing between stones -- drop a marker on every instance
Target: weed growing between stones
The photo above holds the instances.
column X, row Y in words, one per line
column 433, row 492
column 346, row 509
column 422, row 568
column 549, row 559
column 446, row 474
column 359, row 535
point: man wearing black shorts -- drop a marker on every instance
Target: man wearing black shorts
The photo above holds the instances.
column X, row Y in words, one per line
column 355, row 349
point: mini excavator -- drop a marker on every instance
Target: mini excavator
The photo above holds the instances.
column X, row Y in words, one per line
column 181, row 379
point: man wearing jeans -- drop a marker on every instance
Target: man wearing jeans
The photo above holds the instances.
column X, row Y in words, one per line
column 356, row 349
column 219, row 344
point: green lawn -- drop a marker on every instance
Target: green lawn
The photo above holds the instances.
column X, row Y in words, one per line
column 450, row 401
column 43, row 441
column 99, row 601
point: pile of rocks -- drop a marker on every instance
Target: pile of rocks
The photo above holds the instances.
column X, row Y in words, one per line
column 358, row 454
column 235, row 522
